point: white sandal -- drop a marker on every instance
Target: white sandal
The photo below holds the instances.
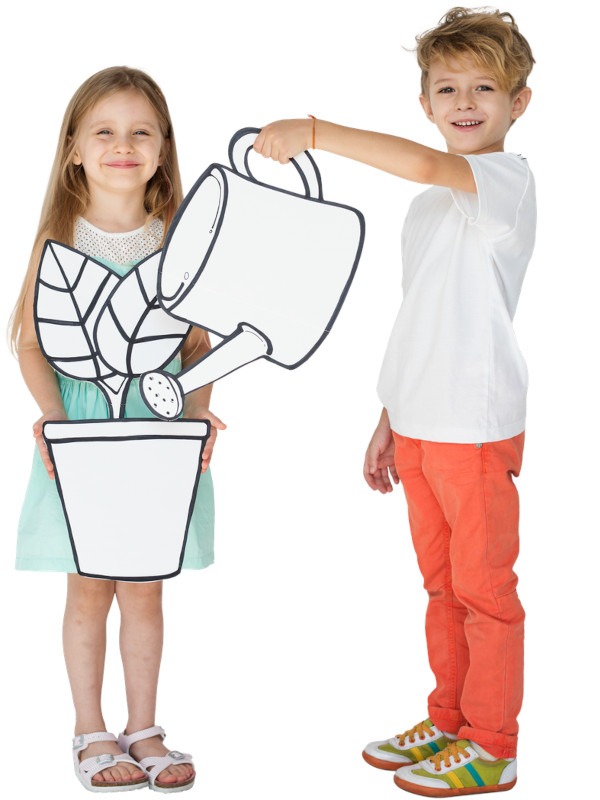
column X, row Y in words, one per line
column 154, row 765
column 86, row 769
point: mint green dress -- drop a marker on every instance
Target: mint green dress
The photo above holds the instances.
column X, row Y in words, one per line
column 43, row 540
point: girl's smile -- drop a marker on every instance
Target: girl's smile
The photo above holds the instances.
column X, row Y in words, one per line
column 122, row 164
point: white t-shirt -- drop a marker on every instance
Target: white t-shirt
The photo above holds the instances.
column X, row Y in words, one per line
column 453, row 371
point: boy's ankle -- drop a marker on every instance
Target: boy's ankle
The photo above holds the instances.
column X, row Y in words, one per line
column 484, row 754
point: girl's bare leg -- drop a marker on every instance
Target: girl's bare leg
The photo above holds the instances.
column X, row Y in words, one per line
column 84, row 641
column 141, row 650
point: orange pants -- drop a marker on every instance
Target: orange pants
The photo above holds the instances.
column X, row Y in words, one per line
column 464, row 512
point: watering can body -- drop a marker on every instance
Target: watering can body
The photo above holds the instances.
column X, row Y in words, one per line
column 264, row 268
column 244, row 252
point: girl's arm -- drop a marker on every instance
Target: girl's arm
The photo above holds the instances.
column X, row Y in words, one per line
column 196, row 403
column 285, row 139
column 40, row 379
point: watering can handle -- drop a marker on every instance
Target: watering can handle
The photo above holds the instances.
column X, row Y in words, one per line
column 241, row 144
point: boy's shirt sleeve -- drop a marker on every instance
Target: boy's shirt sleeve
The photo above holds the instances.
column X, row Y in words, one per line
column 502, row 180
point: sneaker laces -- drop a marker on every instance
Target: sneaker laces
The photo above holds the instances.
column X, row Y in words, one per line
column 421, row 730
column 454, row 751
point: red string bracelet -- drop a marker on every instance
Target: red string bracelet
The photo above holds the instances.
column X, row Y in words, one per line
column 314, row 119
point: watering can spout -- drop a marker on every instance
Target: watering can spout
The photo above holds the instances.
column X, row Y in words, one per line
column 163, row 393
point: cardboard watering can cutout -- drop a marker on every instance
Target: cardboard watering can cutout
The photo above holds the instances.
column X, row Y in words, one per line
column 265, row 268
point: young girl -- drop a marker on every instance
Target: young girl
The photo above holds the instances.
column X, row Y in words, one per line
column 113, row 190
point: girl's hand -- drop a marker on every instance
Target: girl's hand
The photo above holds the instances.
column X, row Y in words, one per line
column 379, row 469
column 58, row 415
column 284, row 139
column 199, row 412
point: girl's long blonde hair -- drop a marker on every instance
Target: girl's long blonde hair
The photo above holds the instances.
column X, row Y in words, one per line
column 67, row 195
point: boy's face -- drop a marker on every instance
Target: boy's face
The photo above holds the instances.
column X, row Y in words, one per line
column 470, row 110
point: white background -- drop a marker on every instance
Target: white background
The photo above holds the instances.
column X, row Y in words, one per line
column 305, row 639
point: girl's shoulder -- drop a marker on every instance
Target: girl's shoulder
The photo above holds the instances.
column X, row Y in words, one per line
column 118, row 248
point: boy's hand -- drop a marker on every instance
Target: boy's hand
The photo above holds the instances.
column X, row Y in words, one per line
column 379, row 469
column 284, row 139
column 199, row 412
column 58, row 415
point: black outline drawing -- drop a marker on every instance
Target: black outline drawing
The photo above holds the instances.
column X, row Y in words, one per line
column 111, row 349
column 107, row 329
column 79, row 535
column 244, row 340
column 94, row 311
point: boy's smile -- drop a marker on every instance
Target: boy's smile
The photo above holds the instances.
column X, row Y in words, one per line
column 471, row 111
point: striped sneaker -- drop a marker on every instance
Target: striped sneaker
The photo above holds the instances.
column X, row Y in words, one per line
column 410, row 747
column 456, row 771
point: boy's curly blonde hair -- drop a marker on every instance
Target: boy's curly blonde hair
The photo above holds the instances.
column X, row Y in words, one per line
column 489, row 37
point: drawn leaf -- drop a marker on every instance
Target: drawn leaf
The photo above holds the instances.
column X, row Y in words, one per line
column 70, row 291
column 133, row 333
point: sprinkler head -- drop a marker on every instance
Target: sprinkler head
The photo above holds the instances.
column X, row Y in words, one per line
column 162, row 393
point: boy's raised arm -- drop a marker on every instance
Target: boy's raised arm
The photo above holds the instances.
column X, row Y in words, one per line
column 284, row 139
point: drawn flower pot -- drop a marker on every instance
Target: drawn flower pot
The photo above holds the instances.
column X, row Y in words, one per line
column 127, row 488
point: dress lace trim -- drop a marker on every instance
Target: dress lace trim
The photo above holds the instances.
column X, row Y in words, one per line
column 119, row 248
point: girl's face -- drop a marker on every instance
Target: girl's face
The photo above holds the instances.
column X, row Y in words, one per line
column 119, row 144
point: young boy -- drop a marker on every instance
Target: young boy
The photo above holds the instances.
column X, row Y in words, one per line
column 453, row 386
